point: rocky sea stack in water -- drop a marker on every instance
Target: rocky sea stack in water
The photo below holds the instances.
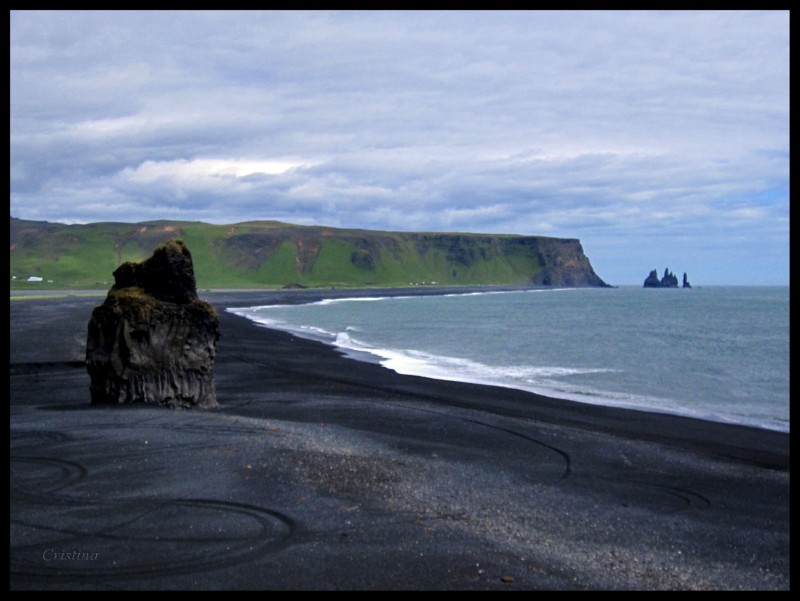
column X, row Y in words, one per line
column 153, row 340
column 670, row 280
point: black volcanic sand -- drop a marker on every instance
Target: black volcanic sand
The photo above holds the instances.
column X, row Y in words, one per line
column 322, row 472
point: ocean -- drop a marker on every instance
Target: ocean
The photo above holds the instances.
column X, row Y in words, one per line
column 718, row 353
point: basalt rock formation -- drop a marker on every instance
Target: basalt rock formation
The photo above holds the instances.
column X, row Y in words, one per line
column 652, row 280
column 670, row 280
column 686, row 283
column 153, row 340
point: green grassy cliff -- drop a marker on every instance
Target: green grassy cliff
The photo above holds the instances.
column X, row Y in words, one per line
column 271, row 254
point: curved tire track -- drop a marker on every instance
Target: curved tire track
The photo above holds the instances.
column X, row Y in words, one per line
column 258, row 531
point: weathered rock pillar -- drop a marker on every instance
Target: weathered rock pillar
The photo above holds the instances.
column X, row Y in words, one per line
column 153, row 340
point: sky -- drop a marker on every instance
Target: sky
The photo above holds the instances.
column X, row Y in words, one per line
column 659, row 139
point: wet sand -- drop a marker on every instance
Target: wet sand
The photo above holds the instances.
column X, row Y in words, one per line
column 322, row 472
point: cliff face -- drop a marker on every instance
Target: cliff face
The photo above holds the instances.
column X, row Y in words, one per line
column 563, row 263
column 272, row 254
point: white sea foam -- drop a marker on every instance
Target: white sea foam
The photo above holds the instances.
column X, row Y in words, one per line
column 537, row 379
column 304, row 331
column 252, row 314
column 358, row 299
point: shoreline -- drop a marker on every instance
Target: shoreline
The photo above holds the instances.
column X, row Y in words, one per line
column 378, row 358
column 323, row 472
column 759, row 446
column 367, row 355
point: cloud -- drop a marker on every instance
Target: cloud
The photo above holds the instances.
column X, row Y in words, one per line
column 599, row 125
column 197, row 174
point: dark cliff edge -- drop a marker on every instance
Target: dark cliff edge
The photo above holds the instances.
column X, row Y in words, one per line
column 262, row 254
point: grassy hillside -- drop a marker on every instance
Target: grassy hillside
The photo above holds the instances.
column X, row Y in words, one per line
column 273, row 254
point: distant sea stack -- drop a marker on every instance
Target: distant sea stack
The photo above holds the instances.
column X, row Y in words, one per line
column 153, row 340
column 670, row 280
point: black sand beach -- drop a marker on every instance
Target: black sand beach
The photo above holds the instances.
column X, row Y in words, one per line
column 322, row 472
